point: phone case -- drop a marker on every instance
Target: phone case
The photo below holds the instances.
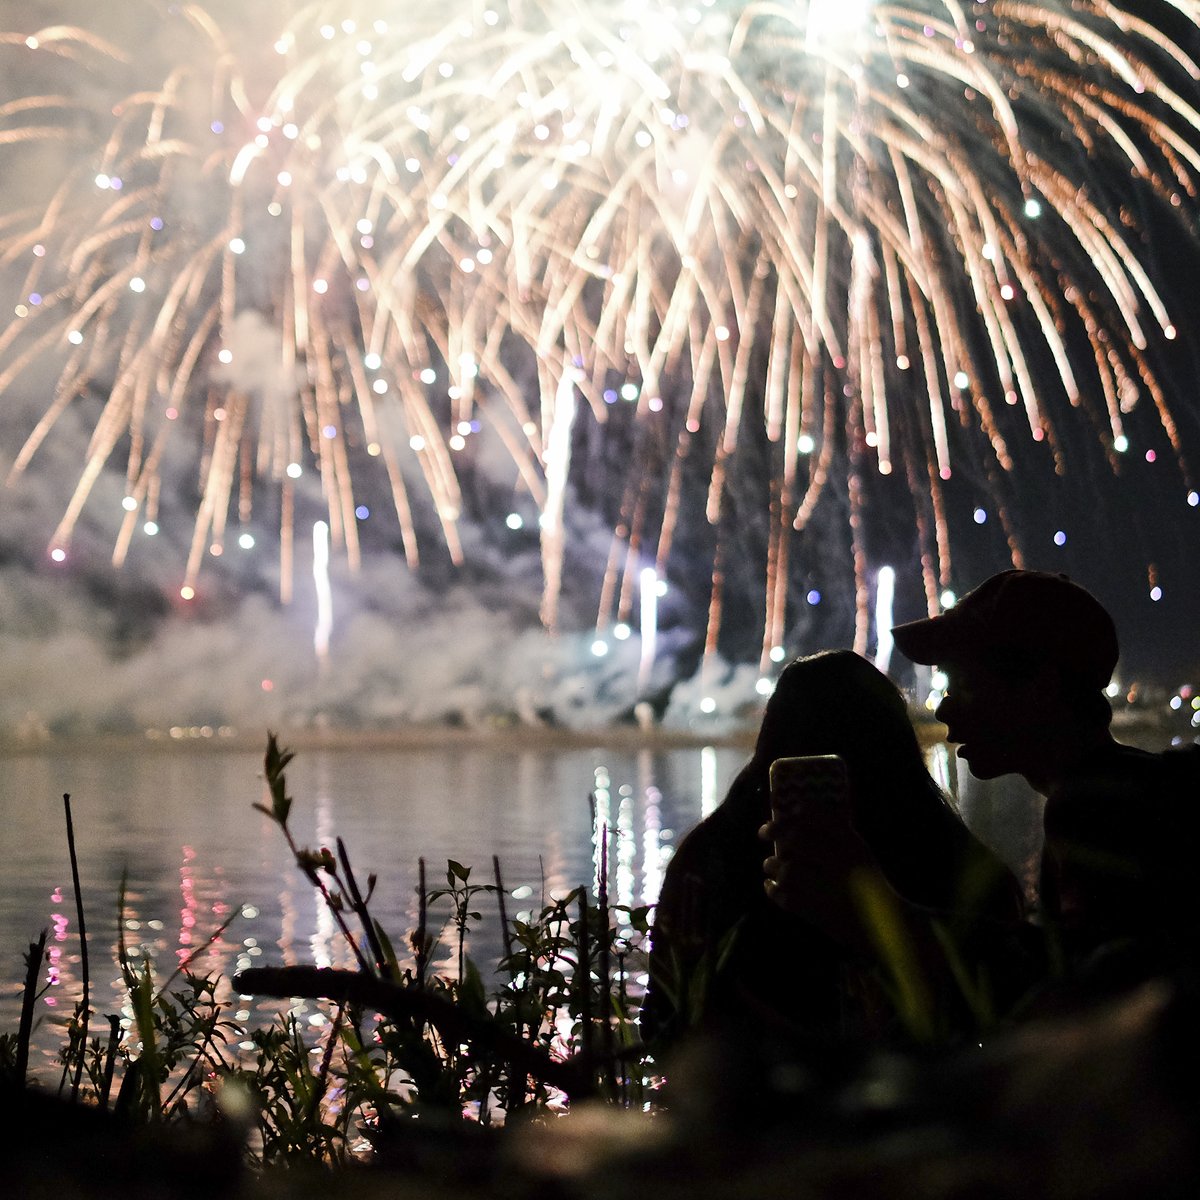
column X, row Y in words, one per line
column 807, row 779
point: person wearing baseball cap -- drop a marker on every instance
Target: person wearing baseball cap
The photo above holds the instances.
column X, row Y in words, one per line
column 1027, row 655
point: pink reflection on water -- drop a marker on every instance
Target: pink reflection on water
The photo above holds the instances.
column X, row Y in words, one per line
column 54, row 955
column 187, row 914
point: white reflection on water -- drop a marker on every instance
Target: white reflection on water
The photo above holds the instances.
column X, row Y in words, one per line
column 653, row 860
column 320, row 944
column 601, row 823
column 710, row 796
column 625, row 849
column 181, row 823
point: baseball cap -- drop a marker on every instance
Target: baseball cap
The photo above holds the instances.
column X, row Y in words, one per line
column 1016, row 620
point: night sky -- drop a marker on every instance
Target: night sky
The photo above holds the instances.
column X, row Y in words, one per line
column 90, row 646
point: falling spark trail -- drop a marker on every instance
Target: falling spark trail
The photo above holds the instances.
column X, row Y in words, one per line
column 558, row 462
column 903, row 237
column 648, row 585
column 324, row 626
column 885, row 593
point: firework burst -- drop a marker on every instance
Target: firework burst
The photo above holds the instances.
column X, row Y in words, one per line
column 875, row 236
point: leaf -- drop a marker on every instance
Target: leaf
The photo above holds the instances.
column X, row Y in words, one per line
column 639, row 918
column 455, row 870
column 472, row 996
column 389, row 953
column 142, row 997
column 274, row 763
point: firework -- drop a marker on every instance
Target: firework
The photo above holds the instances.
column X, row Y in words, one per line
column 875, row 236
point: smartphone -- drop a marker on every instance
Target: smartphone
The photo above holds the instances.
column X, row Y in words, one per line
column 804, row 780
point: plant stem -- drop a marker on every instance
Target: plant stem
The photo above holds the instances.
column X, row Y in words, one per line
column 421, row 949
column 33, row 966
column 517, row 1080
column 604, row 963
column 313, row 876
column 505, row 932
column 185, row 963
column 85, row 1003
column 110, row 1059
column 583, row 975
column 360, row 908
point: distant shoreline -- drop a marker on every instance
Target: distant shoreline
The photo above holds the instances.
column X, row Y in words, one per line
column 1137, row 728
column 515, row 738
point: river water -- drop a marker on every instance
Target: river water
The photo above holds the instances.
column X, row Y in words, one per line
column 178, row 822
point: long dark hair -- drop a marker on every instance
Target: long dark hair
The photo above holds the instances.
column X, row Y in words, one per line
column 837, row 702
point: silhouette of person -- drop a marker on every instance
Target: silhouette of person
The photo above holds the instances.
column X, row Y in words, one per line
column 1027, row 655
column 725, row 957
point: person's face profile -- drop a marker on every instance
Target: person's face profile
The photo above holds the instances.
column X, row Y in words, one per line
column 991, row 715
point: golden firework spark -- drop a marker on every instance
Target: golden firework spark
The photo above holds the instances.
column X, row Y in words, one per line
column 863, row 228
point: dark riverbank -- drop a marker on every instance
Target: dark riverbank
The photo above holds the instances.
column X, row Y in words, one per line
column 1091, row 1106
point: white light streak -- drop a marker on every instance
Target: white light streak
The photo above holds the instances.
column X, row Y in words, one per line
column 649, row 629
column 324, row 626
column 885, row 593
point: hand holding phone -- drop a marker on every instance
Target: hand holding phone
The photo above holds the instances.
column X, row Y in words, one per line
column 819, row 858
column 810, row 795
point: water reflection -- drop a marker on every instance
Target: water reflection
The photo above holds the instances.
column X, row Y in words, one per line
column 181, row 824
column 710, row 793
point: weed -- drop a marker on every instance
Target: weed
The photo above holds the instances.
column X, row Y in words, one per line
column 553, row 1021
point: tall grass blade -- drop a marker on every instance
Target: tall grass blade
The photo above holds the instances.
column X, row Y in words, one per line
column 85, row 1003
column 885, row 925
column 142, row 997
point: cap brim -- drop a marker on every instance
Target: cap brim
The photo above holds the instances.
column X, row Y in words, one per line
column 932, row 640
